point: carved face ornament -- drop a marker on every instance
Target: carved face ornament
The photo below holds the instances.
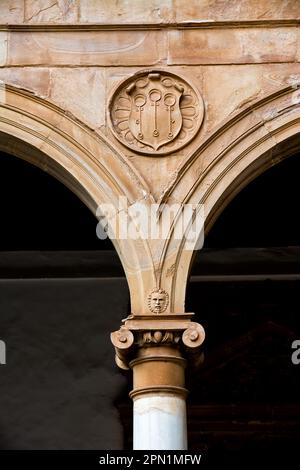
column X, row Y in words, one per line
column 158, row 300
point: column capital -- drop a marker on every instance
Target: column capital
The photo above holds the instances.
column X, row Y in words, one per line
column 147, row 331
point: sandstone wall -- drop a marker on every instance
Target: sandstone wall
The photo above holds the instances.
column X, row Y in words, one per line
column 74, row 52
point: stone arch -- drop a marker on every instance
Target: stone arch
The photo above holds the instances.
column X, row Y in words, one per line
column 84, row 160
column 242, row 148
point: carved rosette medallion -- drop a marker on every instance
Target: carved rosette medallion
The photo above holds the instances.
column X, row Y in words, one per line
column 155, row 112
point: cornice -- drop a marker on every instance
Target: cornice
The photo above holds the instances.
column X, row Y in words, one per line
column 200, row 24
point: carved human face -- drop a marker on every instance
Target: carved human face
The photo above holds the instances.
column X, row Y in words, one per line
column 158, row 301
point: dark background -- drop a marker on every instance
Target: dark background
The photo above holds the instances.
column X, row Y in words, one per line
column 62, row 291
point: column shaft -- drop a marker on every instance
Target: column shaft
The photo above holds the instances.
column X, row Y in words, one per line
column 159, row 423
column 159, row 410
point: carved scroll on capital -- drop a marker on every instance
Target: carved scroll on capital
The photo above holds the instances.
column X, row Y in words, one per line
column 123, row 341
column 193, row 336
column 192, row 339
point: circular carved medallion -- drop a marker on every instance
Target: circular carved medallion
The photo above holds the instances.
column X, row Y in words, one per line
column 155, row 112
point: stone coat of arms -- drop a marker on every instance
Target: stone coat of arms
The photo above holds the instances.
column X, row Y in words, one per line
column 155, row 117
column 155, row 112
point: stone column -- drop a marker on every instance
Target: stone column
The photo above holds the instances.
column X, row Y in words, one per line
column 158, row 351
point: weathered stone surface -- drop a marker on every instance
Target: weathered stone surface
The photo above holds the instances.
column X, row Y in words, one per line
column 136, row 11
column 38, row 11
column 275, row 76
column 139, row 11
column 221, row 10
column 298, row 47
column 86, row 48
column 232, row 88
column 81, row 91
column 49, row 11
column 36, row 80
column 126, row 11
column 11, row 11
column 155, row 171
column 226, row 46
column 3, row 48
column 229, row 89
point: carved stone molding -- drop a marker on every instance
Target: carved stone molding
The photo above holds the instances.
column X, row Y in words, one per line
column 158, row 337
column 123, row 341
column 155, row 112
column 189, row 339
column 193, row 336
